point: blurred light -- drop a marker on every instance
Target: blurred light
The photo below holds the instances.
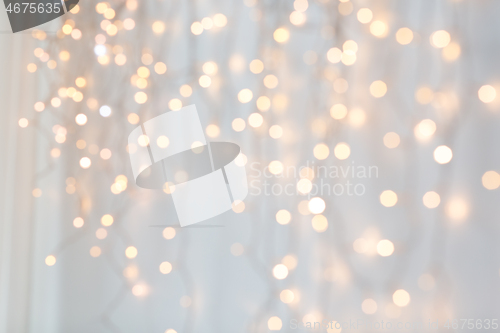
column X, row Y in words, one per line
column 175, row 104
column 443, row 154
column 360, row 245
column 101, row 233
column 425, row 129
column 237, row 63
column 283, row 217
column 275, row 131
column 131, row 252
column 431, row 199
column 37, row 193
column 210, row 68
column 81, row 119
column 23, row 122
column 143, row 72
column 281, row 35
column 304, row 186
column 107, row 220
column 196, row 28
column 139, row 290
column 85, row 162
column 297, row 18
column 140, row 97
column 342, row 151
column 451, row 52
column 31, row 68
column 165, row 267
column 270, row 81
column 369, row 306
column 133, row 118
column 274, row 323
column 457, row 209
column 316, row 205
column 424, row 95
column 212, row 131
column 275, row 167
column 95, row 251
column 78, row 222
column 365, row 15
column 385, row 248
column 321, row 151
column 255, row 120
column 340, row 85
column 290, row 261
column 338, row 111
column 263, row 103
column 158, row 27
column 378, row 88
column 207, row 23
column 487, row 94
column 350, row 47
column 426, row 282
column 220, row 20
column 357, row 117
column 334, row 55
column 401, row 298
column 245, row 95
column 378, row 29
column 345, row 8
column 440, row 39
column 256, row 66
column 80, row 82
column 105, row 111
column 391, row 140
column 491, row 180
column 280, row 271
column 319, row 223
column 55, row 102
column 185, row 90
column 205, row 81
column 287, row 296
column 404, row 36
column 160, row 68
column 388, row 198
column 238, row 124
column 50, row 260
column 168, row 233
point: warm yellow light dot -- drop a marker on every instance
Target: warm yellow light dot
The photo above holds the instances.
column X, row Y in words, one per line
column 451, row 52
column 287, row 296
column 274, row 323
column 342, row 151
column 255, row 120
column 256, row 66
column 31, row 68
column 81, row 119
column 385, row 248
column 426, row 282
column 424, row 95
column 338, row 111
column 491, row 180
column 350, row 47
column 297, row 18
column 275, row 167
column 175, row 104
column 388, row 198
column 139, row 290
column 281, row 35
column 238, row 124
column 401, row 298
column 316, row 205
column 143, row 140
column 440, row 39
column 39, row 106
column 55, row 152
column 443, row 154
column 168, row 233
column 391, row 140
column 210, row 68
column 319, row 223
column 270, row 81
column 431, row 199
column 80, row 82
column 340, row 85
column 50, row 260
column 158, row 27
column 290, row 261
column 55, row 102
column 196, row 28
column 275, row 131
column 120, row 59
column 109, row 13
column 105, row 154
column 95, row 251
column 304, row 186
column 107, row 220
column 263, row 103
column 365, row 15
column 131, row 252
column 280, row 271
column 133, row 118
column 238, row 206
column 212, row 131
column 78, row 222
column 404, row 36
column 487, row 94
column 111, row 29
column 143, row 72
column 165, row 267
column 378, row 88
column 321, row 151
column 220, row 20
column 457, row 209
column 360, row 245
column 37, row 193
column 81, row 144
column 369, row 306
column 205, row 81
column 378, row 29
column 66, row 29
column 425, row 129
column 186, row 90
column 101, row 233
column 245, row 95
column 128, row 24
column 85, row 162
column 334, row 55
column 140, row 97
column 103, row 59
column 283, row 217
column 345, row 7
column 23, row 122
column 207, row 23
column 160, row 68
